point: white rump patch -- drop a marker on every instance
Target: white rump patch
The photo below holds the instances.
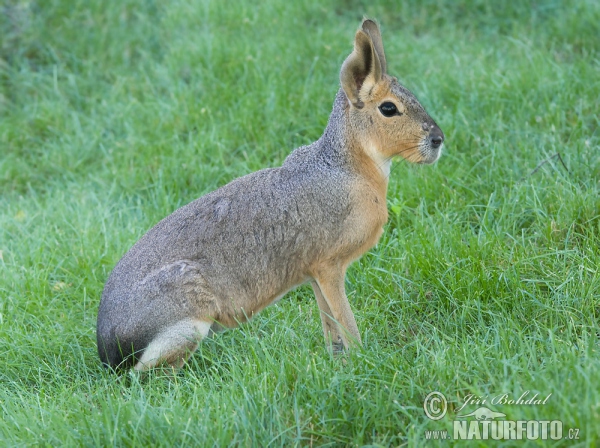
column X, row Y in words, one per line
column 173, row 340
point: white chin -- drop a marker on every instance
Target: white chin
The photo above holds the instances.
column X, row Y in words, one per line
column 432, row 155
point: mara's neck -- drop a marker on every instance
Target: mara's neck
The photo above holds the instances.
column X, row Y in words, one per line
column 342, row 145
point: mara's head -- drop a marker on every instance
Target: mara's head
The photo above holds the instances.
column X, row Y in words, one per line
column 387, row 117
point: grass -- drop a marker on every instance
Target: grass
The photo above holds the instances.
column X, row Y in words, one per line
column 115, row 113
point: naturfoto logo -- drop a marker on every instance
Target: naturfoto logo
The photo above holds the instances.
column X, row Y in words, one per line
column 483, row 413
column 484, row 423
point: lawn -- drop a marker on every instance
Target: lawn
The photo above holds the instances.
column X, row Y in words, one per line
column 486, row 281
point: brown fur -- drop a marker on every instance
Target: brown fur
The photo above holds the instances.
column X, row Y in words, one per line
column 224, row 257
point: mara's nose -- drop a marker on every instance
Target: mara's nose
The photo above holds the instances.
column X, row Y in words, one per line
column 436, row 137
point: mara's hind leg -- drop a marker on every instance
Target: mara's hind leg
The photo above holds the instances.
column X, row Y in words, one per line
column 174, row 344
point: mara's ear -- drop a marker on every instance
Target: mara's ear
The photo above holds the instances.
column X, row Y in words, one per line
column 362, row 69
column 372, row 29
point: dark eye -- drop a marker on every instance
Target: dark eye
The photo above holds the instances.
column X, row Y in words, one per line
column 388, row 109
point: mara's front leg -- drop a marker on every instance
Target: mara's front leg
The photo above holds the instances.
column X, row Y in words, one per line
column 333, row 338
column 339, row 325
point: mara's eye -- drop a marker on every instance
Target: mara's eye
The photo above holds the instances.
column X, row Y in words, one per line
column 388, row 109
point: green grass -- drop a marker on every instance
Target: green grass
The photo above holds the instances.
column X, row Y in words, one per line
column 115, row 113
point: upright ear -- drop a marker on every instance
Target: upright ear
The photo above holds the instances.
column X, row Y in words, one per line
column 372, row 30
column 366, row 64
